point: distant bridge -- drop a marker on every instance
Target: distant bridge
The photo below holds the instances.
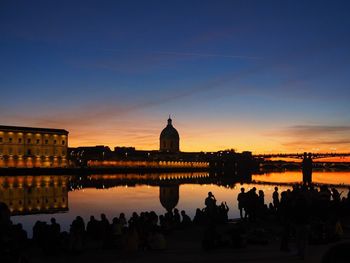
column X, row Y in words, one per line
column 301, row 155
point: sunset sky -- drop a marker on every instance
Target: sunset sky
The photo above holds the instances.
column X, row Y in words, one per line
column 265, row 76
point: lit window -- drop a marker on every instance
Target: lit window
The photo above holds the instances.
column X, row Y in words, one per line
column 63, row 142
column 37, row 141
column 54, row 142
column 10, row 140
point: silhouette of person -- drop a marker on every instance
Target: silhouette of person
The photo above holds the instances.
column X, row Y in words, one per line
column 335, row 195
column 176, row 217
column 198, row 218
column 92, row 228
column 186, row 220
column 275, row 198
column 210, row 203
column 223, row 212
column 241, row 198
column 55, row 228
column 252, row 203
column 307, row 168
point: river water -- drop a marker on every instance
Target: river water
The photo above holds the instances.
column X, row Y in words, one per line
column 33, row 198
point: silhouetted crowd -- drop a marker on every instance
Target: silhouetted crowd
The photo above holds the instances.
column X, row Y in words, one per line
column 144, row 231
column 305, row 213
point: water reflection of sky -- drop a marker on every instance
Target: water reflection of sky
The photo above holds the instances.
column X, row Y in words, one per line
column 142, row 197
column 321, row 177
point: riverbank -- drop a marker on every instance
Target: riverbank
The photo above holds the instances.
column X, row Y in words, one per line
column 102, row 170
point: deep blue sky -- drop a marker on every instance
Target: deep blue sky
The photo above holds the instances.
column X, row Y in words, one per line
column 250, row 75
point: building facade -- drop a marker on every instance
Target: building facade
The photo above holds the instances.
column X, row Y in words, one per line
column 25, row 195
column 27, row 147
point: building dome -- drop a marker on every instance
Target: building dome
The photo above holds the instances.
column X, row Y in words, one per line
column 169, row 196
column 169, row 138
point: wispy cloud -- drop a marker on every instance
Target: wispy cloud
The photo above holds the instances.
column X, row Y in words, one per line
column 206, row 55
column 141, row 61
column 311, row 137
column 140, row 54
column 313, row 130
column 315, row 142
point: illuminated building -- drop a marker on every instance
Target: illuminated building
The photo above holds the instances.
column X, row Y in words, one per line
column 34, row 194
column 169, row 140
column 22, row 147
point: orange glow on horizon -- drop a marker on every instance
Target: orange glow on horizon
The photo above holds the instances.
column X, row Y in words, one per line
column 204, row 143
column 192, row 143
column 142, row 132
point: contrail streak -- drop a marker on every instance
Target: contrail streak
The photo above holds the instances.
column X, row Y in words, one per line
column 193, row 54
column 204, row 55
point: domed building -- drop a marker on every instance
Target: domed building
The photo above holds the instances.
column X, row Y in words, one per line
column 169, row 139
column 169, row 196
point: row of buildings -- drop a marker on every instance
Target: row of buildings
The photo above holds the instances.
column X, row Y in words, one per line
column 25, row 147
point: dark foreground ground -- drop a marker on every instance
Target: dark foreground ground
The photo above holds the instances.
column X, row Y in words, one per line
column 185, row 246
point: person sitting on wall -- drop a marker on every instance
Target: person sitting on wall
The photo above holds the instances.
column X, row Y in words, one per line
column 186, row 220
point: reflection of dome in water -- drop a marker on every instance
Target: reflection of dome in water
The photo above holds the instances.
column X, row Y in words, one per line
column 169, row 196
column 169, row 138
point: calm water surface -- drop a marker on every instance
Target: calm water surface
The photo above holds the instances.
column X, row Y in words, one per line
column 64, row 197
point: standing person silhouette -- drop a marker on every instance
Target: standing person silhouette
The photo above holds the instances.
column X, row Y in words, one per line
column 275, row 199
column 210, row 204
column 241, row 198
column 307, row 168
